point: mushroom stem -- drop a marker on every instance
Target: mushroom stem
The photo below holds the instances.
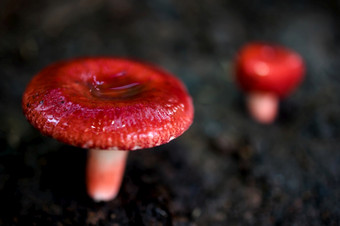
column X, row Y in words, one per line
column 263, row 106
column 105, row 170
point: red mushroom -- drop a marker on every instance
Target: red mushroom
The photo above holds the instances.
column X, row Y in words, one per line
column 109, row 106
column 267, row 73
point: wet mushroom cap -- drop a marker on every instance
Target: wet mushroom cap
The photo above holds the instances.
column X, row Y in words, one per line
column 108, row 103
column 271, row 68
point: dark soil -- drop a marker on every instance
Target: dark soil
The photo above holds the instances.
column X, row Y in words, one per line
column 226, row 169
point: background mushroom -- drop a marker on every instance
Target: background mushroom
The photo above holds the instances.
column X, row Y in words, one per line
column 109, row 106
column 267, row 72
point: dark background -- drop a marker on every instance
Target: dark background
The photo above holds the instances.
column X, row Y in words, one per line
column 226, row 169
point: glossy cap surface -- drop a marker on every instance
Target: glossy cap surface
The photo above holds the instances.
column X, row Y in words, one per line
column 269, row 68
column 108, row 103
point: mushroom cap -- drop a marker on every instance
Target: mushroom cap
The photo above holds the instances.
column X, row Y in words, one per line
column 108, row 103
column 270, row 68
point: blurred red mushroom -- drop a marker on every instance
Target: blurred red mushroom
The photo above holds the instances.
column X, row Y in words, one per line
column 267, row 72
column 110, row 106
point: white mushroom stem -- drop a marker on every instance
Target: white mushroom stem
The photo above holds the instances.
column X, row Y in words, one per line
column 263, row 107
column 104, row 173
